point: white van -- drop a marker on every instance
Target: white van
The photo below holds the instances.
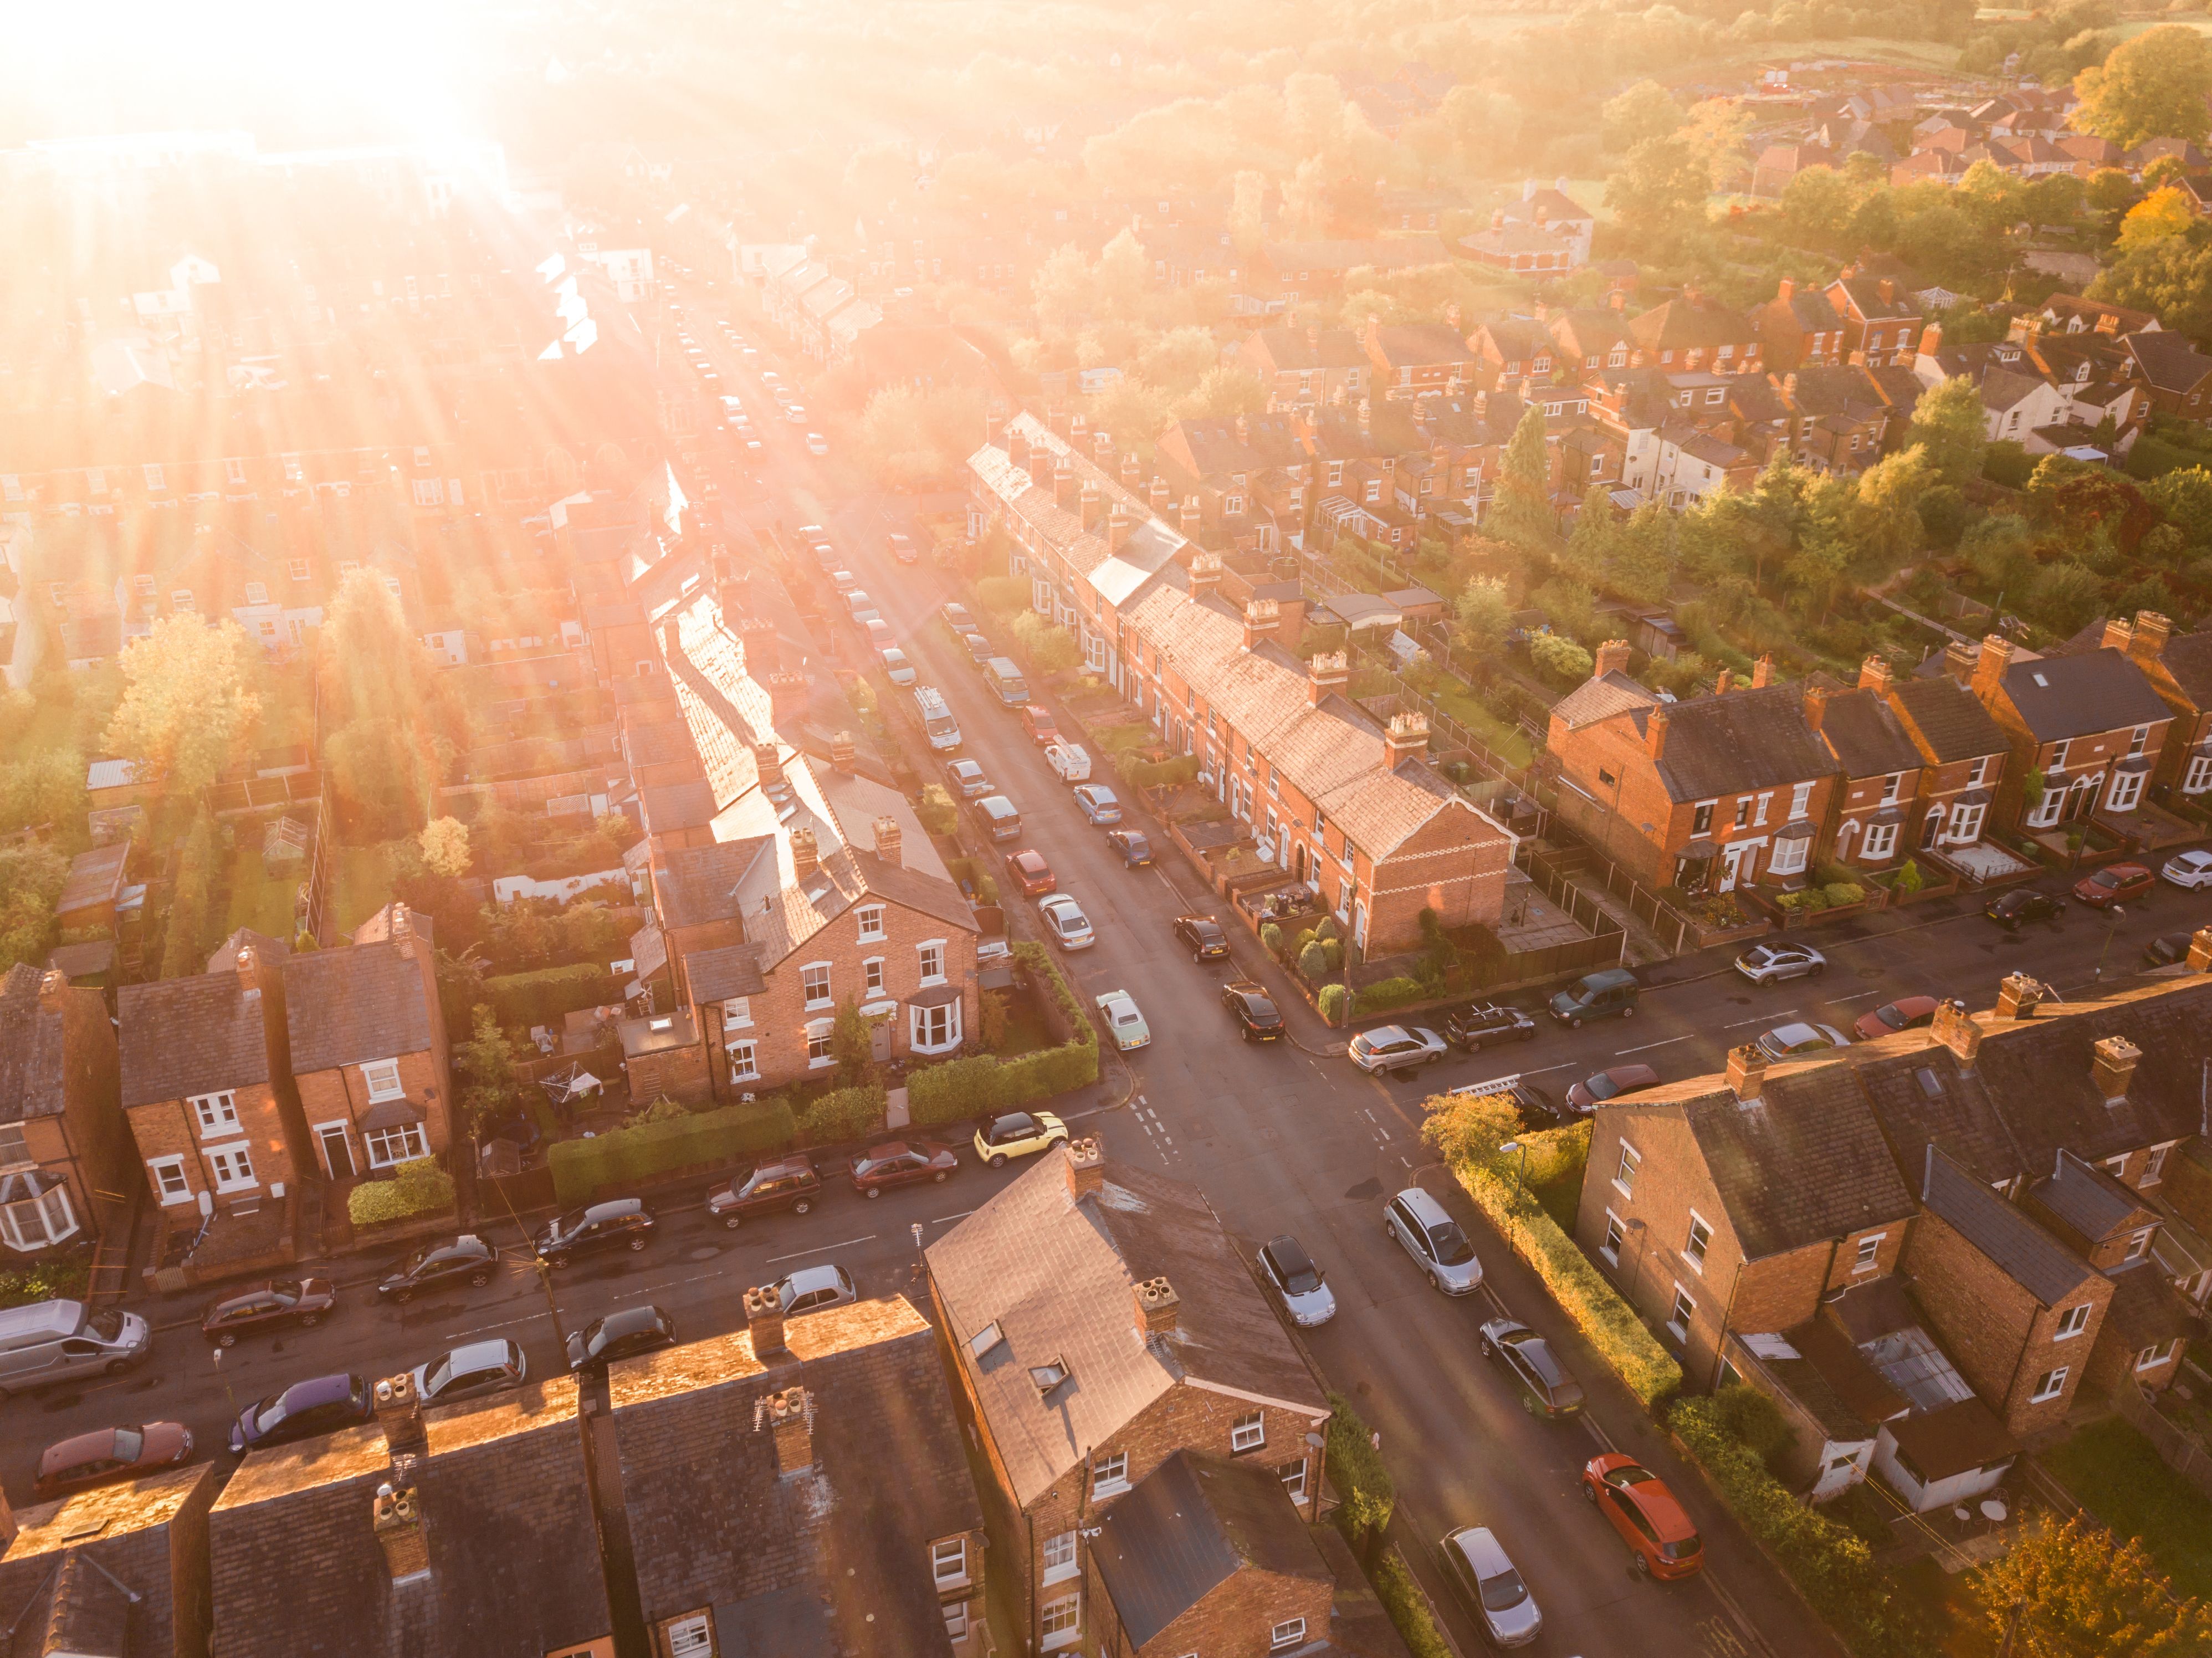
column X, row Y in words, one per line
column 52, row 1341
column 1070, row 761
column 937, row 721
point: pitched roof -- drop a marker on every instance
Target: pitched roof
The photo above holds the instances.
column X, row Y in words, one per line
column 2027, row 1255
column 1189, row 1526
column 1057, row 1278
column 2168, row 362
column 1599, row 698
column 715, row 975
column 1954, row 1440
column 353, row 1003
column 180, row 1037
column 832, row 1560
column 1866, row 738
column 2188, row 658
column 1295, row 349
column 694, row 885
column 1732, row 742
column 33, row 1048
column 1949, row 718
column 271, row 950
column 74, row 1560
column 2064, row 696
column 2087, row 1198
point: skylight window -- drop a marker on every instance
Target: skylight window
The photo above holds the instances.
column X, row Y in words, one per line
column 986, row 1338
column 1048, row 1375
column 1931, row 1083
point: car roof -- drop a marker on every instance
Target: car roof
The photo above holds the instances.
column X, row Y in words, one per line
column 1914, row 1005
column 1013, row 1119
column 1030, row 860
column 616, row 1206
column 1481, row 1549
column 1632, row 1076
column 1661, row 1508
column 316, row 1390
column 628, row 1321
column 1388, row 1033
column 823, row 1277
column 68, row 1453
column 1794, row 1033
column 473, row 1354
column 1289, row 1254
column 1425, row 1209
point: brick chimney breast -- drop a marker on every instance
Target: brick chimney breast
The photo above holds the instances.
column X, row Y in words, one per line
column 1654, row 731
column 1159, row 1309
column 1954, row 1029
column 768, row 761
column 1816, row 707
column 2147, row 642
column 2200, row 951
column 890, row 839
column 1086, row 1168
column 1329, row 671
column 1192, row 517
column 398, row 1521
column 1747, row 1073
column 1612, row 658
column 1063, row 488
column 2019, row 996
column 789, row 1417
column 398, row 1412
column 787, row 693
column 1876, row 676
column 1406, row 739
column 842, row 750
column 249, row 971
column 2113, row 1067
column 1093, row 506
column 1205, row 574
column 1118, row 524
column 1762, row 673
column 52, row 983
column 764, row 1319
column 403, row 929
column 2119, row 635
column 806, row 855
column 1960, row 657
column 1989, row 666
column 1261, row 616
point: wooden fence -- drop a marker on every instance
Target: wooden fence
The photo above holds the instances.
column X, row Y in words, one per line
column 2181, row 1451
column 1551, row 869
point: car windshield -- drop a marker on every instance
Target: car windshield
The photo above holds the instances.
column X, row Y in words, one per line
column 107, row 1324
column 1892, row 1015
column 1450, row 1244
column 1681, row 1550
column 1603, row 1086
column 1303, row 1281
column 2105, row 877
column 129, row 1444
column 440, row 1373
column 271, row 1417
column 1503, row 1592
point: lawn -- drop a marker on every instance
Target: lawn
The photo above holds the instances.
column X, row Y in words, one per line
column 2114, row 1471
column 1504, row 739
column 256, row 899
column 361, row 884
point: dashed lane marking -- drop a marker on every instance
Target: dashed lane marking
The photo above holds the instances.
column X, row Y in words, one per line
column 1776, row 1016
column 1648, row 1047
column 797, row 1255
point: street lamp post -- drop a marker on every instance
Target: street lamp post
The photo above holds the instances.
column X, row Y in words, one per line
column 2111, row 926
column 1520, row 1171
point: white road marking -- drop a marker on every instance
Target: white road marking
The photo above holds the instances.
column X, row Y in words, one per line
column 505, row 1324
column 824, row 1249
column 1760, row 1019
column 946, row 1220
column 1562, row 1065
column 1648, row 1047
column 1840, row 1001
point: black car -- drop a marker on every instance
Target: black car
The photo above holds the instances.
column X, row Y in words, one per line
column 625, row 1335
column 1547, row 1390
column 301, row 1411
column 1486, row 1023
column 1256, row 1015
column 2009, row 910
column 1136, row 850
column 467, row 1260
column 979, row 649
column 1207, row 942
column 624, row 1224
column 2168, row 949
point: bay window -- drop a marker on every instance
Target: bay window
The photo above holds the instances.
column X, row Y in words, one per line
column 399, row 1143
column 35, row 1211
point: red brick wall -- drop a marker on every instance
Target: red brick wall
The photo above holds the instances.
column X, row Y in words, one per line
column 171, row 1128
column 340, row 1094
column 1235, row 1620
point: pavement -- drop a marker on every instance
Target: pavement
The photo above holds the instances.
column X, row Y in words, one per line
column 1281, row 1137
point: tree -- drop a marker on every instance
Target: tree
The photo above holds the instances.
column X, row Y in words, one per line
column 489, row 1088
column 2110, row 189
column 1466, row 1130
column 1062, row 287
column 2163, row 213
column 1247, row 203
column 1522, row 513
column 2166, row 170
column 187, row 710
column 1714, row 132
column 1886, row 529
column 184, row 944
column 1947, row 426
column 2151, row 87
column 2170, row 277
column 32, row 874
column 852, row 1042
column 372, row 768
column 1483, row 613
column 1313, row 114
column 2185, row 495
column 1990, row 196
column 444, row 843
column 2054, row 199
column 1660, row 190
column 1560, row 656
column 1122, row 275
column 1646, row 110
column 1228, row 390
column 45, row 787
column 1819, row 204
column 2081, row 1593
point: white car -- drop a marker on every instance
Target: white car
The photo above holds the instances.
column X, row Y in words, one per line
column 1434, row 1240
column 844, row 581
column 1800, row 1040
column 1065, row 919
column 1301, row 1284
column 1766, row 964
column 2188, row 869
column 816, row 444
column 811, row 1288
column 1128, row 1024
column 900, row 670
column 795, row 413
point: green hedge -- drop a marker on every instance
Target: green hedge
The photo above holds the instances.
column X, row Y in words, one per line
column 843, row 1114
column 1609, row 1322
column 1388, row 994
column 955, row 1091
column 1408, row 1607
column 549, row 993
column 418, row 1186
column 981, row 1083
column 1050, row 1071
column 1044, row 970
column 628, row 1156
column 1141, row 774
column 1335, row 1002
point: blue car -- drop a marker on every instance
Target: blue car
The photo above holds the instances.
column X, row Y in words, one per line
column 1135, row 851
column 1097, row 804
column 302, row 1410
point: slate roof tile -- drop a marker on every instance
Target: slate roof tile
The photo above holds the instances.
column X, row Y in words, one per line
column 360, row 1002
column 181, row 1037
column 2030, row 1256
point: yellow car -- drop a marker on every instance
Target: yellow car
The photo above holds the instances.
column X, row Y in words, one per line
column 1019, row 1135
column 1123, row 1020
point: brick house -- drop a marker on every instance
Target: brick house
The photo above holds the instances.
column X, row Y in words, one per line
column 1693, row 334
column 1876, row 808
column 368, row 1040
column 2091, row 727
column 800, row 1487
column 1546, row 232
column 1307, row 365
column 1882, row 325
column 63, row 1139
column 1798, row 330
column 1962, row 750
column 1735, row 1203
column 2179, row 376
column 207, row 1086
column 1723, row 790
column 2179, row 671
column 2115, row 1228
column 1414, row 358
column 133, row 1556
column 1097, row 1320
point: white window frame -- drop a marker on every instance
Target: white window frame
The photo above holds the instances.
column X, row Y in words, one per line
column 872, row 922
column 2151, row 1357
column 2049, row 1385
column 689, row 1638
column 216, row 1114
column 1679, row 1315
column 1060, row 1559
column 2047, row 809
column 2139, row 1245
column 382, row 1080
column 1061, row 1621
column 2072, row 1322
column 930, row 955
column 745, row 1062
column 1287, row 1634
column 737, row 1013
column 299, row 569
column 1624, row 1179
column 956, row 1621
column 1109, row 1475
column 2198, row 779
column 1881, row 840
column 1788, row 857
column 43, row 1205
column 232, row 1167
column 387, row 1148
column 257, row 592
column 181, row 600
column 1966, row 823
column 161, row 1169
column 1869, row 1254
column 2124, row 791
column 1694, row 1247
column 1616, row 1234
column 820, row 1033
column 1248, row 1433
column 956, row 1561
column 814, row 977
column 1800, row 801
column 1293, row 1476
column 933, row 1029
column 2155, row 1166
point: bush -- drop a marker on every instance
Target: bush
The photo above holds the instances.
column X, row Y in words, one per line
column 626, row 1155
column 1560, row 656
column 1335, row 1002
column 1355, row 1468
column 1141, row 774
column 958, row 1089
column 1909, row 880
column 1050, row 1071
column 1043, row 970
column 1313, row 960
column 1271, row 939
column 935, row 810
column 1841, row 892
column 1328, row 928
column 418, row 1186
column 59, row 1277
column 544, row 996
column 1333, row 953
column 1388, row 994
column 183, row 948
column 1811, row 901
column 1408, row 1607
column 1004, row 595
column 1609, row 1322
column 842, row 1115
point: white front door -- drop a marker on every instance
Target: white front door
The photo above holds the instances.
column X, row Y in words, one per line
column 1737, row 864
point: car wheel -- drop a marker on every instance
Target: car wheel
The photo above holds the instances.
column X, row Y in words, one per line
column 116, row 1366
column 938, row 1177
column 1196, row 957
column 802, row 1205
column 998, row 1160
column 1575, row 1024
column 1529, row 1035
column 402, row 1296
column 477, row 1280
column 1628, row 1012
column 561, row 1260
column 228, row 1339
column 873, row 1192
column 637, row 1243
column 1637, row 1565
column 1589, row 1493
column 1813, row 972
column 733, row 1221
column 1487, row 1347
column 309, row 1321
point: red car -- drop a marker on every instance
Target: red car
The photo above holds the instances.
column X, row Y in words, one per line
column 1662, row 1542
column 902, row 1162
column 1032, row 873
column 1036, row 720
column 1584, row 1096
column 2112, row 884
column 268, row 1305
column 1905, row 1013
column 112, row 1454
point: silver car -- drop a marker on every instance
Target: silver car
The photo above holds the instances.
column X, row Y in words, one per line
column 1298, row 1280
column 811, row 1288
column 1065, row 919
column 1396, row 1047
column 1433, row 1239
column 1490, row 1588
column 467, row 1371
column 1767, row 964
column 1800, row 1040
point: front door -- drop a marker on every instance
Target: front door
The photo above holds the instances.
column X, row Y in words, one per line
column 879, row 1040
column 337, row 1150
column 1737, row 863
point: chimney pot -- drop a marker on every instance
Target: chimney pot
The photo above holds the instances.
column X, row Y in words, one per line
column 767, row 760
column 2200, row 951
column 1406, row 739
column 790, row 1416
column 842, row 749
column 398, row 1411
column 1159, row 1309
column 1205, row 574
column 764, row 1319
column 1086, row 1168
column 806, row 855
column 890, row 839
column 1747, row 1073
column 787, row 694
column 2112, row 1066
column 1723, row 682
column 1876, row 676
column 398, row 1521
column 51, row 984
column 1612, row 658
column 2152, row 630
column 2019, row 996
column 249, row 970
column 1260, row 618
column 1955, row 1028
column 1330, row 670
column 2119, row 635
column 1117, row 530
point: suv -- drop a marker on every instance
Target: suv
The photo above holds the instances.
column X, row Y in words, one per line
column 266, row 1307
column 625, row 1224
column 1207, row 940
column 1547, row 1390
column 1258, row 1019
column 1660, row 1537
column 1433, row 1239
column 2115, row 883
column 469, row 1259
column 1395, row 1047
column 623, row 1334
column 1477, row 1027
column 790, row 1183
column 1609, row 994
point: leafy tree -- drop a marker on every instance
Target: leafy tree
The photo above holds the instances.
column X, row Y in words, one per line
column 1886, row 528
column 445, row 842
column 1947, row 426
column 2054, row 199
column 1522, row 511
column 187, row 706
column 2001, row 548
column 2166, row 170
column 1560, row 656
column 1714, row 132
column 374, row 769
column 32, row 874
column 1227, row 390
column 1660, row 190
column 1570, row 604
column 489, row 1088
column 1123, row 274
column 2110, row 190
column 1646, row 110
column 1990, row 196
column 2165, row 212
column 1468, row 1129
column 45, row 787
column 1819, row 204
column 1313, row 113
column 2151, row 87
column 1051, row 650
column 2081, row 1592
column 1246, row 227
column 1483, row 613
column 852, row 1044
column 2171, row 278
column 2065, row 596
column 1063, row 287
column 2185, row 495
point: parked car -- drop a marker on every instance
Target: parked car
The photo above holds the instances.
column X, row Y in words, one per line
column 2011, row 910
column 1586, row 1094
column 1799, row 1040
column 897, row 668
column 1434, row 1240
column 967, row 779
column 469, row 1259
column 1124, row 1022
column 1098, row 804
column 2188, row 869
column 1662, row 1540
column 1905, row 1013
column 1490, row 1587
column 1258, row 1019
column 622, row 1224
column 792, row 1183
column 902, row 1162
column 1207, row 942
column 1766, row 964
column 1032, row 873
column 844, row 581
column 816, row 443
column 1064, row 920
column 1070, row 761
column 622, row 1334
column 902, row 547
column 2114, row 883
column 1019, row 1135
column 979, row 649
column 271, row 1304
column 956, row 618
column 1612, row 993
column 811, row 1288
column 857, row 601
column 1395, row 1048
column 1134, row 850
column 1485, row 1023
column 109, row 1454
column 1037, row 721
column 470, row 1371
column 1002, row 819
column 1547, row 1390
column 1304, row 1290
column 321, row 1406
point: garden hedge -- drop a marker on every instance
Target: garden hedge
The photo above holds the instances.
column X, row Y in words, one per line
column 1141, row 774
column 623, row 1156
column 956, row 1089
column 418, row 1186
column 982, row 1082
column 1044, row 970
column 843, row 1114
column 1387, row 994
column 547, row 996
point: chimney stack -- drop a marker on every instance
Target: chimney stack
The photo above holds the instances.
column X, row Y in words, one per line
column 787, row 694
column 1159, row 1309
column 1205, row 576
column 1117, row 530
column 1762, row 673
column 790, row 1418
column 1612, row 658
column 1989, row 666
column 890, row 840
column 1064, row 492
column 399, row 1520
column 1330, row 670
column 1157, row 497
column 2019, row 996
column 2152, row 630
column 1086, row 1168
column 1784, row 290
column 1132, row 474
column 1191, row 517
column 1408, row 738
column 1017, row 451
column 1747, row 1073
column 1654, row 731
column 398, row 1411
column 2112, row 1066
column 403, row 929
column 841, row 751
column 249, row 972
column 51, row 984
column 2119, row 635
column 1093, row 506
column 1816, row 706
column 2200, row 951
column 756, row 637
column 1243, row 427
column 1954, row 1028
column 764, row 1321
column 1959, row 658
column 768, row 761
column 1887, row 289
column 1875, row 676
column 1313, row 343
column 806, row 856
column 1260, row 618
column 1931, row 339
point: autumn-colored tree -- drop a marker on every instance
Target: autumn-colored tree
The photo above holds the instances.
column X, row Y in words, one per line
column 445, row 842
column 188, row 707
column 2165, row 212
column 2073, row 1590
column 2151, row 87
column 1948, row 424
column 1466, row 1130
